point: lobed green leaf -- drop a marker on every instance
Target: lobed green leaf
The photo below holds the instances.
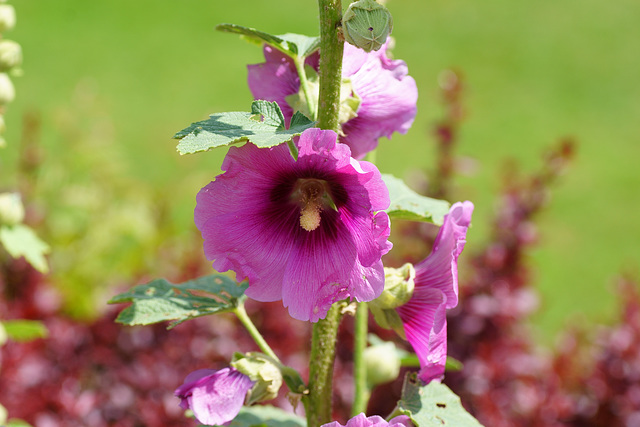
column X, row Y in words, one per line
column 294, row 45
column 266, row 416
column 20, row 240
column 433, row 404
column 409, row 205
column 264, row 127
column 160, row 300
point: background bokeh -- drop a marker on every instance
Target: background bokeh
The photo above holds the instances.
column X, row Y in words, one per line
column 109, row 82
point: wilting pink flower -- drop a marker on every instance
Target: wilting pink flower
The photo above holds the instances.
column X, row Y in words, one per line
column 361, row 420
column 310, row 232
column 436, row 289
column 387, row 94
column 215, row 397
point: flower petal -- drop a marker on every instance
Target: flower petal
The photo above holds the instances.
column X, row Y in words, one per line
column 440, row 269
column 215, row 398
column 361, row 420
column 425, row 326
column 388, row 99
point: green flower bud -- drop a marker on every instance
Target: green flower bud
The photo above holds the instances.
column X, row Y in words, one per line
column 10, row 55
column 7, row 92
column 367, row 24
column 264, row 371
column 7, row 17
column 382, row 362
column 398, row 290
column 11, row 209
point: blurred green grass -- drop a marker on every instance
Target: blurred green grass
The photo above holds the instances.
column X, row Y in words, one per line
column 535, row 72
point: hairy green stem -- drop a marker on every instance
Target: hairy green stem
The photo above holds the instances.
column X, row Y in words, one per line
column 331, row 48
column 242, row 315
column 325, row 331
column 362, row 392
column 323, row 351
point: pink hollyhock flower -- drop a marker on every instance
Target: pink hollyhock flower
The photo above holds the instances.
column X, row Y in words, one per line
column 310, row 232
column 386, row 93
column 436, row 289
column 361, row 420
column 215, row 397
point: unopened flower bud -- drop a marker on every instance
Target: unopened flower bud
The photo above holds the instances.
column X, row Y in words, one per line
column 382, row 362
column 7, row 17
column 10, row 55
column 7, row 92
column 265, row 373
column 367, row 24
column 11, row 209
column 398, row 290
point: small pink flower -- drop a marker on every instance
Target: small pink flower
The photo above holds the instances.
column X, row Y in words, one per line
column 436, row 289
column 215, row 397
column 361, row 420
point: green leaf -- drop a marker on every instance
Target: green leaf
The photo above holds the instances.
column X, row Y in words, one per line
column 407, row 204
column 15, row 422
column 161, row 300
column 266, row 416
column 433, row 405
column 453, row 365
column 25, row 330
column 290, row 44
column 20, row 240
column 264, row 127
column 304, row 45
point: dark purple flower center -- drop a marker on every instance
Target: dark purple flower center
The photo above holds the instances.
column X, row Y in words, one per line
column 313, row 196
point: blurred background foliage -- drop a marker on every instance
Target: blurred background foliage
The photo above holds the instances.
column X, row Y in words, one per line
column 107, row 84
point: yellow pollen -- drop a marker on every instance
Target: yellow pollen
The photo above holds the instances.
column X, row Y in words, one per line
column 310, row 216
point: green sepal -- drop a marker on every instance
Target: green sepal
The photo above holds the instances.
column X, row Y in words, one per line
column 20, row 240
column 409, row 205
column 264, row 126
column 22, row 330
column 160, row 300
column 432, row 405
column 263, row 371
column 294, row 45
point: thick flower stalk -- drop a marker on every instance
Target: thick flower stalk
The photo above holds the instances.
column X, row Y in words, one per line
column 378, row 96
column 309, row 232
column 215, row 397
column 361, row 420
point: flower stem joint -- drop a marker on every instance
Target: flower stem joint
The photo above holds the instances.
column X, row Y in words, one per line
column 367, row 24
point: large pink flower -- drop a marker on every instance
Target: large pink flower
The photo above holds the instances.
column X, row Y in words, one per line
column 388, row 95
column 361, row 420
column 215, row 397
column 436, row 289
column 310, row 232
